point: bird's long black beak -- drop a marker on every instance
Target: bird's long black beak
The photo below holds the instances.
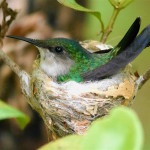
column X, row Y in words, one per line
column 31, row 41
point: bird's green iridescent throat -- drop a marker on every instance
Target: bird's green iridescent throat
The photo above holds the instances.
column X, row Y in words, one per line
column 84, row 65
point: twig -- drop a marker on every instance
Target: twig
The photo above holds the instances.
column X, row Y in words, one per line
column 7, row 12
column 3, row 29
column 143, row 79
column 102, row 27
column 23, row 76
column 14, row 67
column 110, row 25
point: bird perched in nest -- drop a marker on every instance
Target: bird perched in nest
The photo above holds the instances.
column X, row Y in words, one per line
column 66, row 60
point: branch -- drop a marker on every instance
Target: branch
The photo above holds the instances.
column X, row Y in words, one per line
column 14, row 67
column 143, row 79
column 23, row 76
column 110, row 25
column 7, row 12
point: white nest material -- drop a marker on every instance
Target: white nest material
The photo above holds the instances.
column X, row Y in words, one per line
column 70, row 107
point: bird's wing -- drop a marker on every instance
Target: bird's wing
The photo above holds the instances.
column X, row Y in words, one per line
column 128, row 38
column 124, row 57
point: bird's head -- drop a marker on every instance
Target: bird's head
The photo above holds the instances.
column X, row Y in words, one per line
column 57, row 55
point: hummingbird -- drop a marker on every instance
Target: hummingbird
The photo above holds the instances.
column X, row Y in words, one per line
column 67, row 60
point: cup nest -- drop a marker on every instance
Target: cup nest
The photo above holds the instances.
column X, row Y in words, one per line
column 71, row 107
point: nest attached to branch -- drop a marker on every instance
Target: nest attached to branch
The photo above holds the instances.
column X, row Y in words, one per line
column 71, row 107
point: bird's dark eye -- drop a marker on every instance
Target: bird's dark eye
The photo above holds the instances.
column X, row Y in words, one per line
column 58, row 49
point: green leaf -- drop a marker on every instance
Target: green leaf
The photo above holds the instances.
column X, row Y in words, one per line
column 71, row 142
column 7, row 112
column 121, row 130
column 74, row 5
column 120, row 4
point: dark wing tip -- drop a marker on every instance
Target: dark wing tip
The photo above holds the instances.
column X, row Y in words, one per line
column 138, row 19
column 130, row 35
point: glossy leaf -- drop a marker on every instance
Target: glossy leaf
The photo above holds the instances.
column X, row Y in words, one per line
column 121, row 130
column 72, row 142
column 74, row 5
column 7, row 112
column 119, row 4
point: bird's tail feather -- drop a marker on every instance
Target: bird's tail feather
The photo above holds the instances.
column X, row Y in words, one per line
column 122, row 59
